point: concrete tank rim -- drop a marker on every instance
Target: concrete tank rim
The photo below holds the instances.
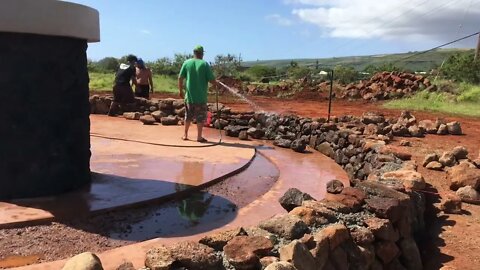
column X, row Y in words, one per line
column 50, row 18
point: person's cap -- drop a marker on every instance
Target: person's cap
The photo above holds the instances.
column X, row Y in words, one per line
column 140, row 61
column 198, row 48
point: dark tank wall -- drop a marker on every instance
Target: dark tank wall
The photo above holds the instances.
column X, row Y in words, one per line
column 44, row 115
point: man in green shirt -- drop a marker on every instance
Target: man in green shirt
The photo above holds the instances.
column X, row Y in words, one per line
column 197, row 73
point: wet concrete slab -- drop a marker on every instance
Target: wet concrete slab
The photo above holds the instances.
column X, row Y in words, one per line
column 130, row 166
column 308, row 172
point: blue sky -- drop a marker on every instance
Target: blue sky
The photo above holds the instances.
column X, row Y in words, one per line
column 279, row 29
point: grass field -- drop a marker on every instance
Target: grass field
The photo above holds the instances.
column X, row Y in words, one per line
column 465, row 102
column 104, row 82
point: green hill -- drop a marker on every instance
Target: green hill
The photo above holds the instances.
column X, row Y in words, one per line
column 410, row 61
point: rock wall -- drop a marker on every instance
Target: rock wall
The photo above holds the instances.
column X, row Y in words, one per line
column 371, row 225
column 45, row 141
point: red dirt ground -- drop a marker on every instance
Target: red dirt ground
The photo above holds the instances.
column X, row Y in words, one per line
column 451, row 241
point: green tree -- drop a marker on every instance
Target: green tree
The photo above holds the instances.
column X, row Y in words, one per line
column 227, row 65
column 462, row 67
column 345, row 74
column 109, row 64
column 297, row 72
column 178, row 60
column 163, row 66
column 258, row 72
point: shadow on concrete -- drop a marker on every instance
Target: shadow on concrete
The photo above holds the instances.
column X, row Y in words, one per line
column 431, row 241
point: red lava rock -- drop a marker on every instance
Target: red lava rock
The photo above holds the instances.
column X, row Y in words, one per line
column 382, row 229
column 387, row 251
column 451, row 203
column 388, row 208
column 309, row 216
column 355, row 192
column 351, row 202
column 396, row 151
column 336, row 235
column 462, row 175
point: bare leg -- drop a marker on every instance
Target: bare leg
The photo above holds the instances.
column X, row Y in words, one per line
column 199, row 131
column 187, row 126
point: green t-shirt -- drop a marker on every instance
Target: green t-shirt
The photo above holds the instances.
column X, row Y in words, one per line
column 197, row 73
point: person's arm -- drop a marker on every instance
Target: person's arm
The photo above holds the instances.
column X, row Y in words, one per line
column 150, row 80
column 180, row 86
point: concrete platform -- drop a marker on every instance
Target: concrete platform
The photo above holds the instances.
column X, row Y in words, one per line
column 308, row 172
column 129, row 173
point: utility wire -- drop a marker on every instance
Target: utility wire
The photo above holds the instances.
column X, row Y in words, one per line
column 443, row 45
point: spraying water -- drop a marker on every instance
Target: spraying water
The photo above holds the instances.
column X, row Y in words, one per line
column 237, row 94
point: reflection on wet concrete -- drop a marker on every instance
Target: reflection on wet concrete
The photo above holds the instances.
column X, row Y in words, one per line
column 199, row 212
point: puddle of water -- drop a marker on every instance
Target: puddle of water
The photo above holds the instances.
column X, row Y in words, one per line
column 202, row 211
column 16, row 261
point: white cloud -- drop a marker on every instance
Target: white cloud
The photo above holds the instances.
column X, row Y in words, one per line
column 438, row 20
column 145, row 32
column 278, row 19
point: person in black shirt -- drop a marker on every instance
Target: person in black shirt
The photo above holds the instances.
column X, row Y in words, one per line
column 122, row 89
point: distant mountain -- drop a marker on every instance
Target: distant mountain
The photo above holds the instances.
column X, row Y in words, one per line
column 410, row 61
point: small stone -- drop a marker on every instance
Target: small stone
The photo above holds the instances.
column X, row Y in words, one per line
column 405, row 143
column 83, row 261
column 293, row 198
column 132, row 115
column 243, row 135
column 169, row 121
column 442, row 129
column 469, row 195
column 429, row 158
column 451, row 204
column 286, row 226
column 454, row 128
column 298, row 145
column 126, row 266
column 218, row 240
column 266, row 261
column 147, row 120
column 284, row 143
column 460, row 152
column 434, row 165
column 447, row 159
column 281, row 266
column 334, row 186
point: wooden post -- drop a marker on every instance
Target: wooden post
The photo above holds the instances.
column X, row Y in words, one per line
column 330, row 97
column 477, row 51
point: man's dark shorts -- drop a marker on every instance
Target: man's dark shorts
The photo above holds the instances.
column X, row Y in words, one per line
column 196, row 111
column 123, row 94
column 142, row 91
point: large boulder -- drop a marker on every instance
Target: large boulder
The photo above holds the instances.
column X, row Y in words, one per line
column 297, row 254
column 147, row 120
column 460, row 152
column 469, row 195
column 218, row 240
column 447, row 159
column 429, row 126
column 463, row 175
column 169, row 121
column 83, row 261
column 410, row 179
